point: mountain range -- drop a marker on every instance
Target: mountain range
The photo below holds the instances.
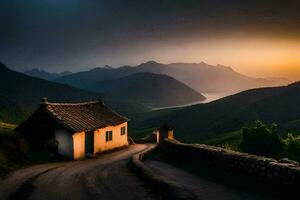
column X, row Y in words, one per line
column 20, row 95
column 150, row 89
column 132, row 84
column 201, row 77
column 39, row 73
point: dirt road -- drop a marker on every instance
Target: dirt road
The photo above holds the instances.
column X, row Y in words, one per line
column 105, row 177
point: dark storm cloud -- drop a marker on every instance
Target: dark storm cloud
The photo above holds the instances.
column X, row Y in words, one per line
column 76, row 33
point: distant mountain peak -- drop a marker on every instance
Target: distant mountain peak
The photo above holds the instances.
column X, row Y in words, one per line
column 108, row 67
column 220, row 65
column 40, row 73
column 223, row 66
column 101, row 68
column 152, row 62
column 65, row 73
column 297, row 83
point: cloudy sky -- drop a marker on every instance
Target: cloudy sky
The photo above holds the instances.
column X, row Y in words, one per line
column 255, row 37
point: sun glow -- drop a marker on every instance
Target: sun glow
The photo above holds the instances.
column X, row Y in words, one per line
column 258, row 57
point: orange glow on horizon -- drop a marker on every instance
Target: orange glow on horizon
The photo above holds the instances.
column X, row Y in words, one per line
column 256, row 57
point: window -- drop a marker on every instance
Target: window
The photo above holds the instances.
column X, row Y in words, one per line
column 123, row 130
column 108, row 136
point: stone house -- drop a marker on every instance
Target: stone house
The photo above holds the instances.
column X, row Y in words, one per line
column 78, row 129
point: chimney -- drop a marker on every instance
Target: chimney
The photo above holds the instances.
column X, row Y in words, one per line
column 101, row 102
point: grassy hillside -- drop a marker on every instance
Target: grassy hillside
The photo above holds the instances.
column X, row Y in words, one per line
column 13, row 150
column 4, row 125
column 279, row 105
column 129, row 83
column 230, row 140
column 16, row 152
column 20, row 95
column 150, row 89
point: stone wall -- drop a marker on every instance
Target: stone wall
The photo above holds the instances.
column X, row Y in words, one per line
column 265, row 169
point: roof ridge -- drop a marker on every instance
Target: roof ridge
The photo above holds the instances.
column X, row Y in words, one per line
column 116, row 113
column 72, row 104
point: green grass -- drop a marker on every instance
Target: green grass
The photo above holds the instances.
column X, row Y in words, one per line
column 292, row 126
column 13, row 151
column 140, row 133
column 230, row 140
column 4, row 125
column 146, row 129
column 153, row 114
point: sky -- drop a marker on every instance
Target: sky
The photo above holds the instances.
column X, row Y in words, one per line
column 256, row 37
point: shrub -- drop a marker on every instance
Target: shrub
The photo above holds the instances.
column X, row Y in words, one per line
column 261, row 139
column 292, row 147
column 13, row 151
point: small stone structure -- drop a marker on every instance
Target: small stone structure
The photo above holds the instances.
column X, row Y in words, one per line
column 265, row 169
column 165, row 131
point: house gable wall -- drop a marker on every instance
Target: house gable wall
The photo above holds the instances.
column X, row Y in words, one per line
column 39, row 127
column 65, row 142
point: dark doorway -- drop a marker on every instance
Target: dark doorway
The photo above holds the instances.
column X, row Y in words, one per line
column 89, row 143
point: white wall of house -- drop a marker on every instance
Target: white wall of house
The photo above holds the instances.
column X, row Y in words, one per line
column 65, row 142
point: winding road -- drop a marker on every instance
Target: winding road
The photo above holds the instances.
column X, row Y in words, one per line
column 107, row 177
column 104, row 177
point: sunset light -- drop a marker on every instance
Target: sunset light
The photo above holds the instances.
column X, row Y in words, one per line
column 149, row 99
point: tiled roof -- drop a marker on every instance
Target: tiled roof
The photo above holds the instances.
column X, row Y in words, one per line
column 87, row 116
